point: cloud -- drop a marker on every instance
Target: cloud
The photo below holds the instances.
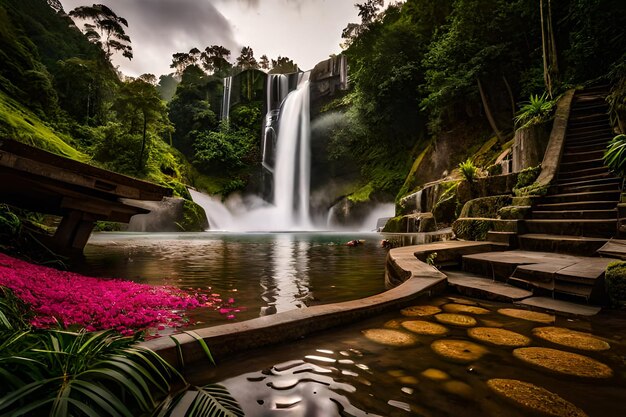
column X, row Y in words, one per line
column 159, row 28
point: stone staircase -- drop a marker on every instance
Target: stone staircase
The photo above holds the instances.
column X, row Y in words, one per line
column 579, row 213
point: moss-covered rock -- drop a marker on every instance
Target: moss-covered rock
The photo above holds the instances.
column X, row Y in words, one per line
column 522, row 201
column 411, row 223
column 103, row 226
column 194, row 218
column 472, row 229
column 615, row 283
column 527, row 176
column 486, row 207
column 513, row 212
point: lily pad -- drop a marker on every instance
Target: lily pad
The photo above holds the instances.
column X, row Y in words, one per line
column 498, row 337
column 390, row 337
column 459, row 388
column 565, row 363
column 456, row 320
column 534, row 398
column 460, row 351
column 571, row 338
column 461, row 308
column 435, row 374
column 420, row 311
column 424, row 327
column 527, row 315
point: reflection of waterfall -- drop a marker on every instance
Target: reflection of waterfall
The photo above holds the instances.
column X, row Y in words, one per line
column 287, row 286
column 228, row 84
column 292, row 175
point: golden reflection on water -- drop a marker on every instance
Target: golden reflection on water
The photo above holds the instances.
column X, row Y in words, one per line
column 342, row 373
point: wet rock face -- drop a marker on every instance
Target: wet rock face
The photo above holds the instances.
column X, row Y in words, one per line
column 169, row 215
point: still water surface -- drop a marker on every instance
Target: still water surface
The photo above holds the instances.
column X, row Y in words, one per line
column 265, row 273
column 343, row 373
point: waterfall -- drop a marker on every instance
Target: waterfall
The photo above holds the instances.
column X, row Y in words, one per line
column 228, row 84
column 277, row 88
column 292, row 174
column 217, row 214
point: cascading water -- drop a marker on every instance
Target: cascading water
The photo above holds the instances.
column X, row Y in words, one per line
column 228, row 85
column 292, row 175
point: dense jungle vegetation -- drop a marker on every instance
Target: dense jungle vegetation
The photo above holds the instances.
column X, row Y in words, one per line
column 420, row 71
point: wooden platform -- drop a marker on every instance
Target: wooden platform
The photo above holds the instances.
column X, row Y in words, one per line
column 81, row 194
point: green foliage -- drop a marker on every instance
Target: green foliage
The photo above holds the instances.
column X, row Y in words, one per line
column 615, row 155
column 535, row 111
column 527, row 177
column 362, row 194
column 472, row 229
column 194, row 218
column 10, row 224
column 468, row 170
column 485, row 207
column 431, row 258
column 226, row 149
column 615, row 283
column 62, row 373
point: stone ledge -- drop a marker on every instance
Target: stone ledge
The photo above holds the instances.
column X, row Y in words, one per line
column 229, row 339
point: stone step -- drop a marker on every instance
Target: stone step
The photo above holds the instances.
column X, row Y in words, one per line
column 586, row 147
column 588, row 118
column 566, row 244
column 605, row 179
column 598, row 138
column 609, row 186
column 588, row 129
column 575, row 290
column 603, row 175
column 507, row 238
column 581, row 173
column 570, row 156
column 590, row 272
column 559, row 306
column 575, row 227
column 588, row 125
column 589, row 107
column 475, row 286
column 586, row 196
column 577, row 205
column 582, row 164
column 575, row 214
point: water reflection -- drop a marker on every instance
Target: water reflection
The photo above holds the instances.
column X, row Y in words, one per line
column 266, row 273
column 287, row 286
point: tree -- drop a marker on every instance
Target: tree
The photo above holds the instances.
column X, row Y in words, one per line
column 149, row 78
column 138, row 105
column 246, row 59
column 111, row 37
column 182, row 60
column 214, row 60
column 368, row 12
column 264, row 62
column 283, row 65
column 167, row 86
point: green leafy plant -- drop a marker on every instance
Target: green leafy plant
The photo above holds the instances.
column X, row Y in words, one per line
column 62, row 373
column 538, row 109
column 468, row 170
column 430, row 259
column 615, row 155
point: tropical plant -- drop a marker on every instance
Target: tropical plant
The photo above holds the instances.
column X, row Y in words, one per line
column 536, row 110
column 468, row 170
column 62, row 373
column 615, row 155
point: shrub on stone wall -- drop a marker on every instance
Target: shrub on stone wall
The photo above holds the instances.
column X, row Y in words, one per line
column 615, row 283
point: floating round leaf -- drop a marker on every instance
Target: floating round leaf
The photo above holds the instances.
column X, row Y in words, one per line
column 435, row 374
column 424, row 327
column 419, row 311
column 527, row 315
column 498, row 337
column 393, row 324
column 534, row 398
column 456, row 319
column 571, row 338
column 460, row 351
column 561, row 362
column 461, row 308
column 390, row 337
column 459, row 388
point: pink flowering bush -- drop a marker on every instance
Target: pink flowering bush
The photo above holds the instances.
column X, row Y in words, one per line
column 97, row 304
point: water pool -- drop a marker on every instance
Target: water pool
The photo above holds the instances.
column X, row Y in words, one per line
column 343, row 373
column 265, row 273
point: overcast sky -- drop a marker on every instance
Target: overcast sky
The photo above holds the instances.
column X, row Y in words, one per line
column 307, row 31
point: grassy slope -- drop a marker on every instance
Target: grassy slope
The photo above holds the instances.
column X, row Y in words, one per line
column 21, row 124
